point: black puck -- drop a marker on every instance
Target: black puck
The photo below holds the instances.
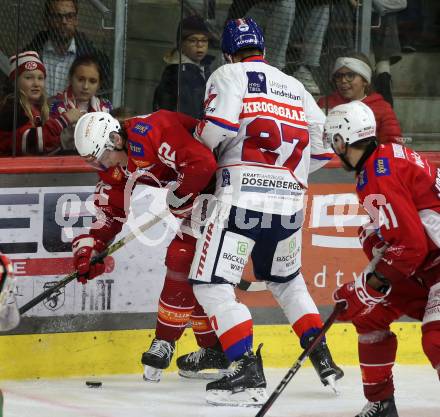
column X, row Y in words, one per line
column 94, row 384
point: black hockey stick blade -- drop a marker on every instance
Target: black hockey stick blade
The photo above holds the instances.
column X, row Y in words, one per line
column 302, row 358
column 98, row 258
column 39, row 298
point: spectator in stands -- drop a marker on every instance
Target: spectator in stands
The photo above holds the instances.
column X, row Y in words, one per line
column 277, row 32
column 387, row 51
column 419, row 26
column 351, row 76
column 85, row 76
column 410, row 24
column 36, row 133
column 385, row 44
column 195, row 70
column 61, row 43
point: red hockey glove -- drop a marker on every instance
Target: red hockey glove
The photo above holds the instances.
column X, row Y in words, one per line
column 84, row 248
column 371, row 242
column 359, row 297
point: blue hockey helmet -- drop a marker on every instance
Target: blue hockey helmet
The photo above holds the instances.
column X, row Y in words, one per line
column 242, row 33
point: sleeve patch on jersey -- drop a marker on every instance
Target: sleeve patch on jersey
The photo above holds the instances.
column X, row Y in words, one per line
column 256, row 82
column 136, row 148
column 398, row 151
column 382, row 167
column 362, row 180
column 141, row 128
column 226, row 177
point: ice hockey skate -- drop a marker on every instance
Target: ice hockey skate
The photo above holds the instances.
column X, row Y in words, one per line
column 244, row 386
column 156, row 359
column 206, row 363
column 384, row 408
column 324, row 365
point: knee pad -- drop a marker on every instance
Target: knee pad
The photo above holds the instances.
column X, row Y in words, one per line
column 180, row 254
column 230, row 319
column 431, row 343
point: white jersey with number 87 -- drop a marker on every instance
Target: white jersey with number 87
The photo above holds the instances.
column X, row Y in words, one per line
column 266, row 131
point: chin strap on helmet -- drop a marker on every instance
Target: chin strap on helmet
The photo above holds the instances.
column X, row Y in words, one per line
column 368, row 151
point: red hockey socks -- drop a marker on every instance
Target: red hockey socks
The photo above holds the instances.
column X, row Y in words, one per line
column 202, row 329
column 176, row 304
column 431, row 343
column 376, row 361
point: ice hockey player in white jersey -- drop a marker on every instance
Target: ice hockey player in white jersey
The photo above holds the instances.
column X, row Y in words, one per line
column 266, row 131
column 9, row 315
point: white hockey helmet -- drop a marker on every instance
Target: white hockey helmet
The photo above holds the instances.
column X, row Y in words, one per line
column 352, row 121
column 92, row 134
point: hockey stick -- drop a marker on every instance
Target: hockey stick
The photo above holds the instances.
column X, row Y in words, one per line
column 111, row 249
column 306, row 353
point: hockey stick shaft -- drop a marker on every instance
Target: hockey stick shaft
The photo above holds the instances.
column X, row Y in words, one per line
column 302, row 358
column 98, row 258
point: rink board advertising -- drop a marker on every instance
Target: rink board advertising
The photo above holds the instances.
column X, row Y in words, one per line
column 38, row 224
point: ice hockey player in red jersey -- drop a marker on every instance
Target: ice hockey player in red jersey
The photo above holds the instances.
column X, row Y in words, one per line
column 266, row 131
column 161, row 147
column 400, row 191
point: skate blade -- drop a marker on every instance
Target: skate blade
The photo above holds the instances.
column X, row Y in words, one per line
column 330, row 381
column 152, row 374
column 250, row 397
column 206, row 374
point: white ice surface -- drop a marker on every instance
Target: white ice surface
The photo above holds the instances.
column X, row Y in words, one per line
column 417, row 395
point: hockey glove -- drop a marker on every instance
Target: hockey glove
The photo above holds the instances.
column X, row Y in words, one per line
column 84, row 248
column 371, row 242
column 180, row 207
column 359, row 297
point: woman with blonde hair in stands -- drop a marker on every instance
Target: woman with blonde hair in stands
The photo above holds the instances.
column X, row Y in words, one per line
column 85, row 77
column 351, row 76
column 36, row 133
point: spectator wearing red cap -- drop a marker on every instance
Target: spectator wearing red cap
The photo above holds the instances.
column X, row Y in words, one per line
column 35, row 132
column 194, row 66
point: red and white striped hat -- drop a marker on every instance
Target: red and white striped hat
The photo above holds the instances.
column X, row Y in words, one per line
column 27, row 61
